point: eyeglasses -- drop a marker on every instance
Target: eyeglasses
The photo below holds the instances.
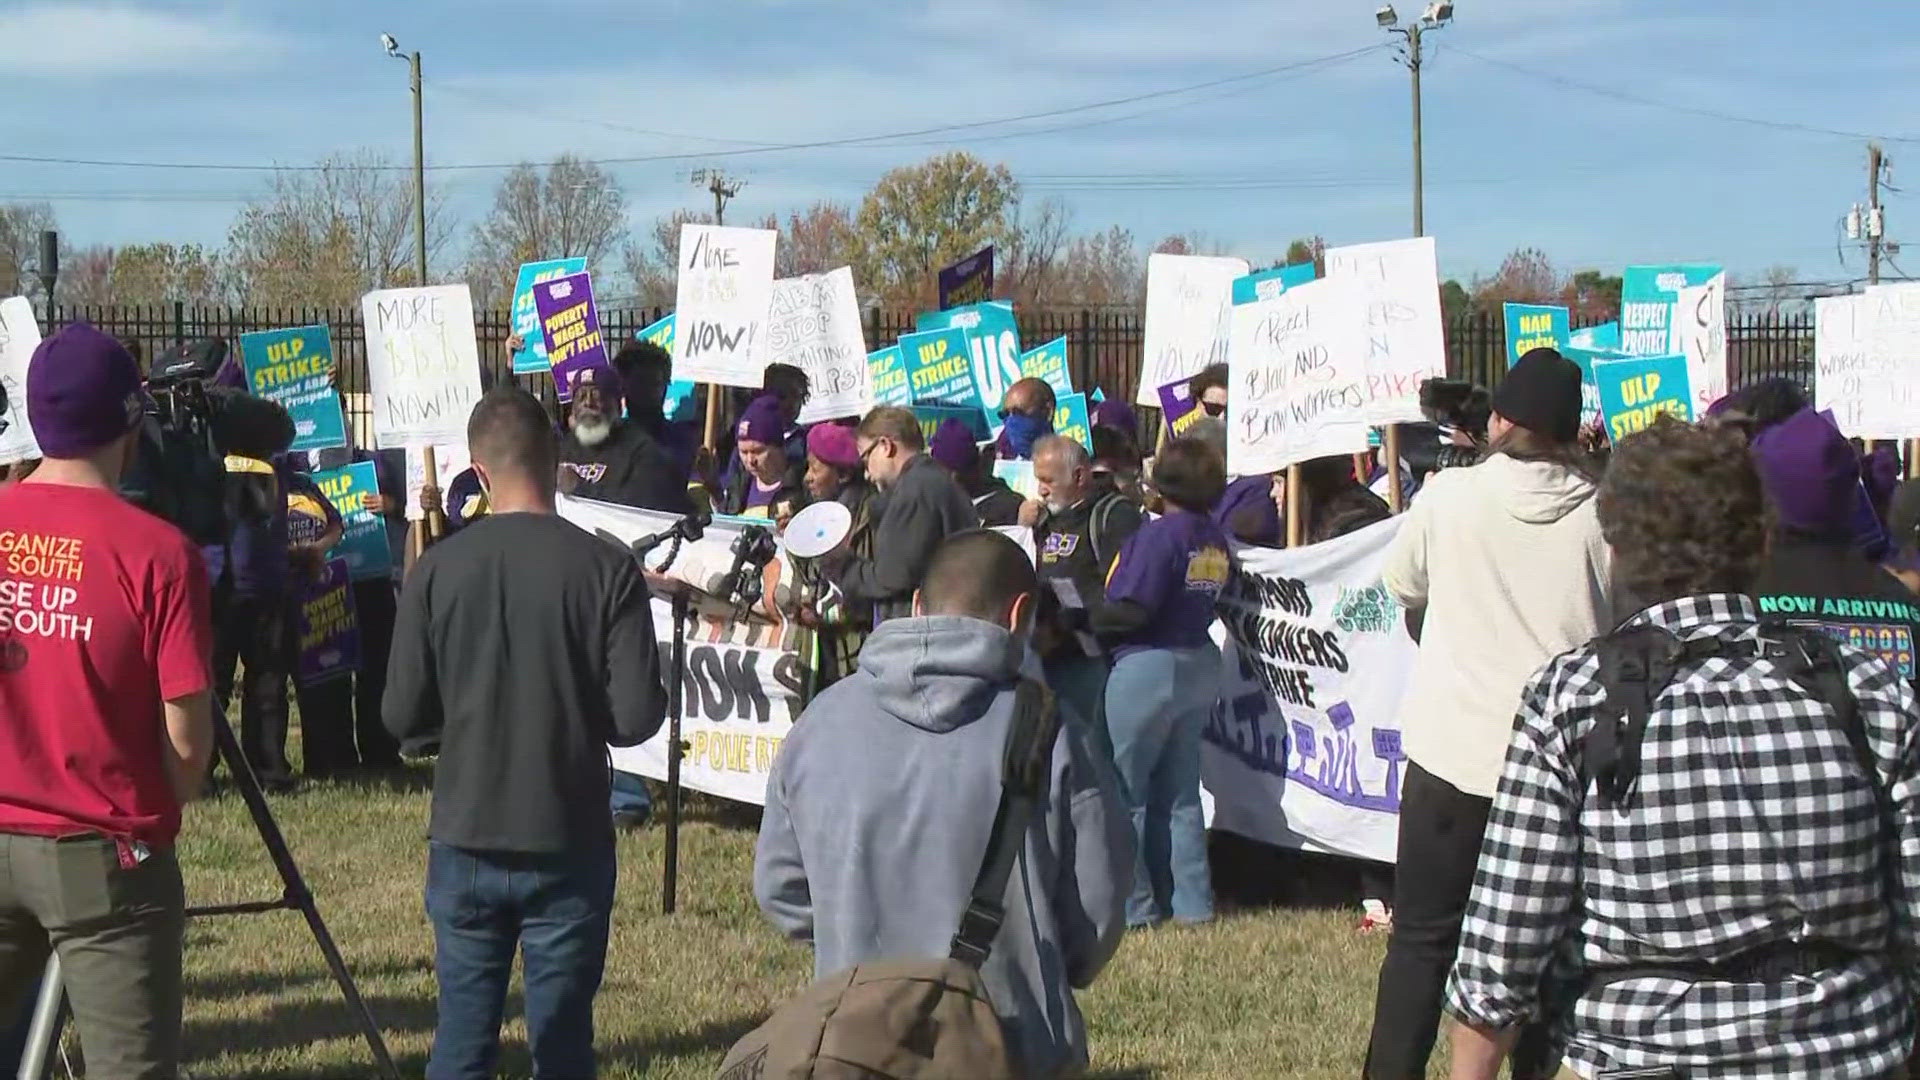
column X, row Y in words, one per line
column 1214, row 408
column 871, row 447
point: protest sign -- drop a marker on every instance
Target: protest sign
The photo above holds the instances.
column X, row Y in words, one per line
column 1179, row 408
column 1018, row 476
column 724, row 290
column 449, row 461
column 932, row 416
column 745, row 682
column 1299, row 377
column 19, row 336
column 1072, row 420
column 1303, row 749
column 1700, row 334
column 1188, row 300
column 328, row 630
column 423, row 364
column 1649, row 297
column 571, row 325
column 532, row 358
column 295, row 369
column 1534, row 326
column 887, row 370
column 1863, row 349
column 813, row 323
column 939, row 371
column 364, row 545
column 1634, row 392
column 1405, row 339
column 969, row 281
column 1603, row 336
column 1584, row 359
column 1267, row 284
column 993, row 348
column 1049, row 363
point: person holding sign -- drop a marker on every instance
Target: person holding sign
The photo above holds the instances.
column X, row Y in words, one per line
column 604, row 457
column 1500, row 567
column 768, row 486
column 1026, row 416
column 1157, row 622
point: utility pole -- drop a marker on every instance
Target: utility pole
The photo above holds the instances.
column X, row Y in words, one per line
column 419, row 156
column 1436, row 16
column 1876, row 223
column 723, row 189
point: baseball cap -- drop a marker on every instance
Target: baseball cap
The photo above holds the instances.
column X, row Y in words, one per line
column 83, row 392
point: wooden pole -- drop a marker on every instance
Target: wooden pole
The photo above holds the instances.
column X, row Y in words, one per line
column 713, row 413
column 1296, row 509
column 1913, row 458
column 1391, row 443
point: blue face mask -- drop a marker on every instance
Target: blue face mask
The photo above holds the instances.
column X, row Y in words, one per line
column 1022, row 431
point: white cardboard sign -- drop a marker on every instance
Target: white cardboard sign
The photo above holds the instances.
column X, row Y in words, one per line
column 423, row 364
column 1299, row 387
column 1405, row 335
column 720, row 316
column 1189, row 298
column 19, row 336
column 813, row 323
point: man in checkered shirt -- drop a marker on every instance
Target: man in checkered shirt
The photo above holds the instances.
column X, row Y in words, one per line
column 1751, row 826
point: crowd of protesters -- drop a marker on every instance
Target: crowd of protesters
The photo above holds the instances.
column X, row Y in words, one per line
column 1710, row 864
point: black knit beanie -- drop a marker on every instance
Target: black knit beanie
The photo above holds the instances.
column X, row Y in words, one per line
column 1542, row 394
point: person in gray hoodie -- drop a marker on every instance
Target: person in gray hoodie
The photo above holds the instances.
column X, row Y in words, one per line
column 882, row 799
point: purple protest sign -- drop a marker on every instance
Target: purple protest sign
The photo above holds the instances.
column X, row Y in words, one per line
column 571, row 325
column 1178, row 407
column 329, row 627
column 969, row 281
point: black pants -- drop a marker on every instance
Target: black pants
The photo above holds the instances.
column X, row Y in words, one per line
column 1440, row 832
column 340, row 726
column 253, row 630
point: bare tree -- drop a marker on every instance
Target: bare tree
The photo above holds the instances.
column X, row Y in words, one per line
column 820, row 240
column 20, row 227
column 1526, row 276
column 1029, row 260
column 1101, row 270
column 140, row 274
column 650, row 260
column 324, row 237
column 576, row 210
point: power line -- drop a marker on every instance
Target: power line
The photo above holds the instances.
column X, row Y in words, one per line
column 1692, row 110
column 858, row 140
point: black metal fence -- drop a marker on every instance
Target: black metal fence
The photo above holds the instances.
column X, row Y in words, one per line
column 1104, row 348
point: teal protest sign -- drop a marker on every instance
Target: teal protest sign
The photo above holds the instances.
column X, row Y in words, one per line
column 1071, row 420
column 887, row 369
column 1267, row 284
column 364, row 545
column 1649, row 298
column 993, row 349
column 532, row 359
column 679, row 405
column 1535, row 326
column 1635, row 392
column 939, row 371
column 1602, row 337
column 932, row 416
column 1049, row 362
column 294, row 368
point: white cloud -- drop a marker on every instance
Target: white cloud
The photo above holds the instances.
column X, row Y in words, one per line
column 104, row 40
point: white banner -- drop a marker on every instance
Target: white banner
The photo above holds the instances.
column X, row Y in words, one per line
column 1304, row 747
column 1188, row 297
column 1299, row 388
column 720, row 315
column 813, row 323
column 1406, row 337
column 19, row 336
column 423, row 364
column 1700, row 329
column 745, row 681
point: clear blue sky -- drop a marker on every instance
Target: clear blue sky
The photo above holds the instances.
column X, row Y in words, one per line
column 1513, row 158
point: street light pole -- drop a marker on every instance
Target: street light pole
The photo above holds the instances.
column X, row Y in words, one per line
column 420, row 172
column 1437, row 15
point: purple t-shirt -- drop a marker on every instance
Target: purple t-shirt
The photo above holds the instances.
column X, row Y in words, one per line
column 1175, row 568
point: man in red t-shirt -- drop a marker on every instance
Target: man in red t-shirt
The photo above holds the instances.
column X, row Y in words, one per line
column 105, row 716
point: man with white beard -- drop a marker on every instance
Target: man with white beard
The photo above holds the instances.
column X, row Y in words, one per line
column 607, row 458
column 1079, row 524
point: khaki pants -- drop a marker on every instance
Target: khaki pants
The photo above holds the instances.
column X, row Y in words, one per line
column 118, row 932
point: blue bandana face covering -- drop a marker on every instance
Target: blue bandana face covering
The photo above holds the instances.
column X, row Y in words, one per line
column 1023, row 431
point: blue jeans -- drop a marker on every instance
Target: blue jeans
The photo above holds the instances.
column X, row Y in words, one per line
column 630, row 794
column 555, row 909
column 1080, row 682
column 1158, row 701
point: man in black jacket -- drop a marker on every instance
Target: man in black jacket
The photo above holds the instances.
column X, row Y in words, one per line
column 524, row 646
column 920, row 504
column 615, row 460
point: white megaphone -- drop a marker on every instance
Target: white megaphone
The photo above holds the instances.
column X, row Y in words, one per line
column 814, row 532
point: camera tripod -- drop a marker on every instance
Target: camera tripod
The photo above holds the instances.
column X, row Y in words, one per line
column 43, row 1039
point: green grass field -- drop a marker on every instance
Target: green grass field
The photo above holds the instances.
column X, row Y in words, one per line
column 1261, row 993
